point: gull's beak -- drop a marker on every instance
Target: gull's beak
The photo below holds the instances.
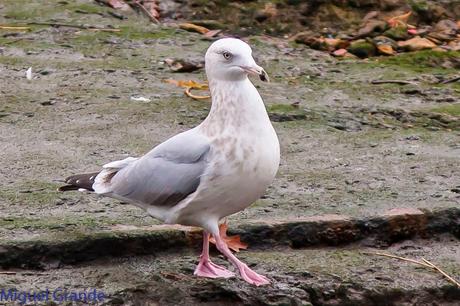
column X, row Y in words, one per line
column 256, row 70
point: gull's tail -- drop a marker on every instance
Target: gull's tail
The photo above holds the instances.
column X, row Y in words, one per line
column 79, row 181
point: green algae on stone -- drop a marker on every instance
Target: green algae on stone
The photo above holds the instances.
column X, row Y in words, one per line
column 453, row 109
column 285, row 112
column 397, row 33
column 362, row 48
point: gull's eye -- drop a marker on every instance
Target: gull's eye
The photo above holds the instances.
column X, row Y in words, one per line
column 227, row 55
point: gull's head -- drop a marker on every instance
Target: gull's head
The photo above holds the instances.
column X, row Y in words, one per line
column 230, row 59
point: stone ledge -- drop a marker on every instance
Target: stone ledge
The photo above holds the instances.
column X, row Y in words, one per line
column 395, row 225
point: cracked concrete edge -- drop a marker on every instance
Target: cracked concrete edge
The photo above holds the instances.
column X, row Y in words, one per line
column 395, row 225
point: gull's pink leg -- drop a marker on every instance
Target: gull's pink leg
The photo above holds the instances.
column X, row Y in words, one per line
column 246, row 273
column 205, row 267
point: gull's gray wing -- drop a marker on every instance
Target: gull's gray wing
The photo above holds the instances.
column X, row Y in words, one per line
column 165, row 175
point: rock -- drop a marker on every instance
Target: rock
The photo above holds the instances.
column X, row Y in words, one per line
column 372, row 28
column 371, row 15
column 385, row 45
column 429, row 12
column 340, row 52
column 417, row 43
column 390, row 4
column 446, row 25
column 182, row 65
column 383, row 40
column 444, row 30
column 397, row 33
column 320, row 43
column 385, row 49
column 454, row 45
column 306, row 37
column 267, row 12
column 362, row 48
column 261, row 16
column 335, row 43
column 208, row 23
column 422, row 30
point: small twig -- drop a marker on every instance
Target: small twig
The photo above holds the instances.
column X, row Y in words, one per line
column 76, row 26
column 14, row 28
column 442, row 272
column 424, row 262
column 22, row 273
column 454, row 79
column 400, row 258
column 401, row 82
column 146, row 11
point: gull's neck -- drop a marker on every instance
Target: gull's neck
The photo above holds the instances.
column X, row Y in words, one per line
column 235, row 105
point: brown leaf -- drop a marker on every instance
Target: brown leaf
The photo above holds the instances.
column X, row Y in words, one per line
column 386, row 49
column 399, row 20
column 233, row 242
column 180, row 65
column 193, row 28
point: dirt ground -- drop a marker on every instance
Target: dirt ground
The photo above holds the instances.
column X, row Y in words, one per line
column 351, row 147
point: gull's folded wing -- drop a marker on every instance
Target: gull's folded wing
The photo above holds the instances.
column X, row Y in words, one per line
column 165, row 175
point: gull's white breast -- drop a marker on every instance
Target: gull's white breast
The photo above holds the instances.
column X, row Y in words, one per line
column 243, row 160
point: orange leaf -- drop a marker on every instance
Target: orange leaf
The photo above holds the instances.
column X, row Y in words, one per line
column 193, row 28
column 386, row 49
column 233, row 242
column 399, row 20
column 189, row 85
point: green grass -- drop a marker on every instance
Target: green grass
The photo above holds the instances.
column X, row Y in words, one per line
column 453, row 109
column 421, row 60
column 30, row 193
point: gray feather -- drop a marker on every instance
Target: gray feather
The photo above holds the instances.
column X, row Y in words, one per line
column 167, row 174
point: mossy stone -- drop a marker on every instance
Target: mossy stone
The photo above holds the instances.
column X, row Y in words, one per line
column 362, row 48
column 397, row 33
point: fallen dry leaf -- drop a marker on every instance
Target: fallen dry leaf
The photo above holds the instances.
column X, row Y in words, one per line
column 193, row 28
column 181, row 65
column 189, row 85
column 14, row 28
column 399, row 20
column 233, row 242
column 386, row 49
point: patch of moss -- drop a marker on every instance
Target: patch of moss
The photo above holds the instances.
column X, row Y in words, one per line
column 30, row 193
column 453, row 109
column 135, row 33
column 397, row 33
column 418, row 5
column 419, row 61
column 362, row 49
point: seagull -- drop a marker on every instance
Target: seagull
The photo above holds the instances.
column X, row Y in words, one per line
column 207, row 173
